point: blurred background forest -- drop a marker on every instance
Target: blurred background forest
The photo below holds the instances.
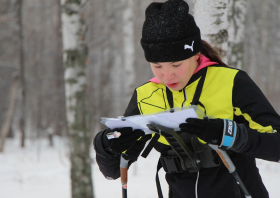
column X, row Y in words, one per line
column 32, row 86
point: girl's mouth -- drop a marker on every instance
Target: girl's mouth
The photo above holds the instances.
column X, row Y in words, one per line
column 172, row 85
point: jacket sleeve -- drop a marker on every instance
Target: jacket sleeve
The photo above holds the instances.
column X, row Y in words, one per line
column 109, row 163
column 259, row 124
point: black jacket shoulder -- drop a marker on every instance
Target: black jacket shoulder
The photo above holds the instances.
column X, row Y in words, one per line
column 248, row 97
column 132, row 108
column 254, row 111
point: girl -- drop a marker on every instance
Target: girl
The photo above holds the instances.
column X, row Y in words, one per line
column 188, row 71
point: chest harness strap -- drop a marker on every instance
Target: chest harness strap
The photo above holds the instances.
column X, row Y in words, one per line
column 198, row 91
column 181, row 158
column 171, row 104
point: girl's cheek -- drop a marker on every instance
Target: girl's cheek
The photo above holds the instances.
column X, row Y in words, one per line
column 157, row 73
column 181, row 72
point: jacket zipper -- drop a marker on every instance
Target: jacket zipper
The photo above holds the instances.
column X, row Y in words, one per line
column 185, row 95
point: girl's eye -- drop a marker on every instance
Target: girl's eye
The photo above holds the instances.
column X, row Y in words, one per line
column 176, row 65
column 157, row 66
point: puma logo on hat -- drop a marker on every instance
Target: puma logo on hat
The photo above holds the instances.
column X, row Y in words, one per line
column 189, row 47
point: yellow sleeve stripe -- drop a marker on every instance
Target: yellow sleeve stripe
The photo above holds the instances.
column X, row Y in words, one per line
column 137, row 140
column 162, row 140
column 254, row 125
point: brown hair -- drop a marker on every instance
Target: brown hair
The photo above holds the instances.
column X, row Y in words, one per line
column 211, row 53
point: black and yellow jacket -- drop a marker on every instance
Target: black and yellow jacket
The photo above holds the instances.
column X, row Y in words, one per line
column 227, row 93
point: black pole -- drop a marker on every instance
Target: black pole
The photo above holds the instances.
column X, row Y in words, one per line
column 231, row 168
column 124, row 192
column 241, row 184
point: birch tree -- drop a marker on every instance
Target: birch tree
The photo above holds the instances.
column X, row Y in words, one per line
column 211, row 18
column 75, row 61
column 236, row 31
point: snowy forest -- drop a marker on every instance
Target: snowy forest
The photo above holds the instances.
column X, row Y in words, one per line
column 61, row 58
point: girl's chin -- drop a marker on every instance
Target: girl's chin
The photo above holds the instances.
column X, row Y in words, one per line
column 175, row 89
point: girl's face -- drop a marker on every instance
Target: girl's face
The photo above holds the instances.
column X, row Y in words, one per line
column 175, row 75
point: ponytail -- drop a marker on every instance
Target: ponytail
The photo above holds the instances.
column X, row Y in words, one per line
column 211, row 53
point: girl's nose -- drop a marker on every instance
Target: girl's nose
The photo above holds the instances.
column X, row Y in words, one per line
column 168, row 74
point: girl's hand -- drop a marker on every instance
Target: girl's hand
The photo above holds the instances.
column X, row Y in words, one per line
column 125, row 141
column 213, row 131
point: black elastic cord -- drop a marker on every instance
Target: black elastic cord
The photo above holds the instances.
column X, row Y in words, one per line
column 199, row 88
column 199, row 103
column 150, row 146
column 159, row 166
column 169, row 97
column 198, row 91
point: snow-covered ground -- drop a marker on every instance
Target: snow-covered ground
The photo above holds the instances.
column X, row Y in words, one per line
column 40, row 171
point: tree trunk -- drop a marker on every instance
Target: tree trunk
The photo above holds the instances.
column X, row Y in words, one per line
column 142, row 67
column 236, row 31
column 9, row 115
column 128, row 48
column 21, row 63
column 75, row 61
column 211, row 18
column 262, row 54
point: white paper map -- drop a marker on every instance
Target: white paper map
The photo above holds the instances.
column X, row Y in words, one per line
column 166, row 119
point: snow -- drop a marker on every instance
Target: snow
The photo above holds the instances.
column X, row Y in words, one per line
column 42, row 171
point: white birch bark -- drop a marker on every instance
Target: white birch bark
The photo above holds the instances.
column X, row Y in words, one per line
column 128, row 47
column 236, row 31
column 75, row 60
column 211, row 18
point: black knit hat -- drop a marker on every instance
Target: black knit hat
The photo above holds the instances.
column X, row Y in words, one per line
column 169, row 32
